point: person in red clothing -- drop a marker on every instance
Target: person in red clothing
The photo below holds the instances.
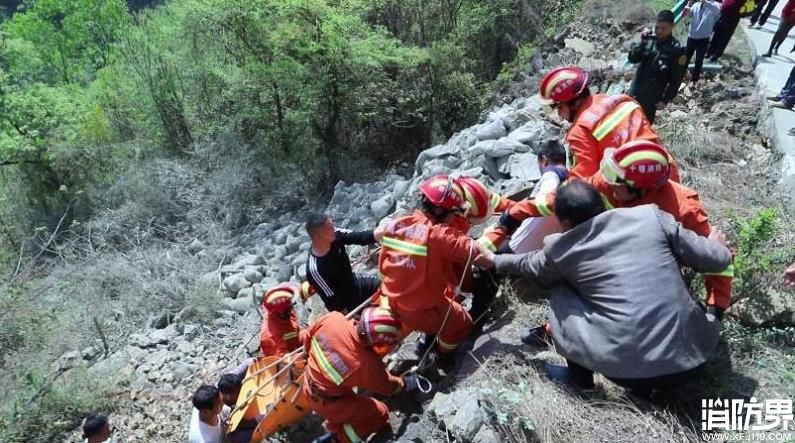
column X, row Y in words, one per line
column 633, row 175
column 279, row 332
column 424, row 259
column 598, row 121
column 346, row 354
column 784, row 27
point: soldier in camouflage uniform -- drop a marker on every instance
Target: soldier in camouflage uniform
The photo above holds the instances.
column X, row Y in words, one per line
column 662, row 66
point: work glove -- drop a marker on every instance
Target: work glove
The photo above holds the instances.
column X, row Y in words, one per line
column 410, row 382
column 714, row 313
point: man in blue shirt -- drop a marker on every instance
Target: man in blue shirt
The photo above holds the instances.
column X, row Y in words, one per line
column 703, row 16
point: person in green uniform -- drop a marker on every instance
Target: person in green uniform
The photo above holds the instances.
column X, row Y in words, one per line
column 662, row 66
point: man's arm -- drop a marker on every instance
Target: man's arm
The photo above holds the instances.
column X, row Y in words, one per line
column 638, row 52
column 584, row 152
column 692, row 250
column 678, row 71
column 347, row 237
column 373, row 376
column 534, row 265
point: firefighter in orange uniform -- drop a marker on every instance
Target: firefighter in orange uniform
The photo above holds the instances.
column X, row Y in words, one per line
column 598, row 121
column 279, row 332
column 422, row 261
column 637, row 174
column 344, row 354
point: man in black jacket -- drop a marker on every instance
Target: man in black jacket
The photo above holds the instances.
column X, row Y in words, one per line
column 662, row 64
column 328, row 268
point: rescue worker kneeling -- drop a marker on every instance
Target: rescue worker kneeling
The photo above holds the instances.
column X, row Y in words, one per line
column 423, row 258
column 346, row 354
column 279, row 332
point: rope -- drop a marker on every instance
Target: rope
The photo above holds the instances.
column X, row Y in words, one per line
column 421, row 362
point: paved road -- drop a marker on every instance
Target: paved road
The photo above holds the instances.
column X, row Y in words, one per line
column 771, row 74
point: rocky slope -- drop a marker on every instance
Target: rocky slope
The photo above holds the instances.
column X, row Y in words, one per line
column 161, row 366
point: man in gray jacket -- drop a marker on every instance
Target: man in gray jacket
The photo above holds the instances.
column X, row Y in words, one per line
column 619, row 304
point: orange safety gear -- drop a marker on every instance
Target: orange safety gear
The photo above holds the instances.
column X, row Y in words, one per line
column 607, row 121
column 338, row 360
column 443, row 192
column 279, row 299
column 418, row 263
column 639, row 164
column 279, row 335
column 565, row 84
column 379, row 326
column 483, row 203
column 678, row 200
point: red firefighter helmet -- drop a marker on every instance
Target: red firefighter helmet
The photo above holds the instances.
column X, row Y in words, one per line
column 379, row 327
column 443, row 192
column 478, row 196
column 565, row 84
column 640, row 164
column 279, row 299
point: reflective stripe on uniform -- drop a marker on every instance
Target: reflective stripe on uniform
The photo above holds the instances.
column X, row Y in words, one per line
column 494, row 202
column 613, row 119
column 486, row 243
column 542, row 206
column 606, row 201
column 290, row 335
column 351, row 434
column 447, row 346
column 728, row 272
column 325, row 364
column 404, row 246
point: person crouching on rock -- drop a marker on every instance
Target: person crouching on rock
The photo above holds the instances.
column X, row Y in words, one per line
column 421, row 259
column 279, row 332
column 346, row 354
column 620, row 305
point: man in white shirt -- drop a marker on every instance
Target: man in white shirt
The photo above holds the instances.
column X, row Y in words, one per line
column 208, row 420
column 531, row 233
column 704, row 14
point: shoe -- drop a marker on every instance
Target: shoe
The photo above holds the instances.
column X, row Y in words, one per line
column 791, row 132
column 713, row 59
column 781, row 105
column 536, row 336
column 774, row 98
column 562, row 375
column 328, row 437
column 775, row 51
column 767, row 55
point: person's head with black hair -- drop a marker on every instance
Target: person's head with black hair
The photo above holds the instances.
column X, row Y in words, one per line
column 577, row 202
column 229, row 385
column 321, row 230
column 207, row 399
column 664, row 28
column 96, row 428
column 550, row 153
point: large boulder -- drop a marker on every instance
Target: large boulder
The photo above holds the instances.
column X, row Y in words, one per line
column 235, row 282
column 461, row 412
column 769, row 308
column 492, row 130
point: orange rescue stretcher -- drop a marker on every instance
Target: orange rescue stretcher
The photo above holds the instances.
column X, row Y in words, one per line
column 272, row 388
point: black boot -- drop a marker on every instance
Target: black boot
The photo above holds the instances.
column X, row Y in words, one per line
column 537, row 336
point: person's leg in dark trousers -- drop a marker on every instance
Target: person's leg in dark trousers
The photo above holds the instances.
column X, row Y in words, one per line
column 644, row 386
column 366, row 285
column 485, row 285
column 699, row 47
column 760, row 6
column 771, row 5
column 789, row 87
column 648, row 108
column 724, row 30
column 580, row 375
column 778, row 38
